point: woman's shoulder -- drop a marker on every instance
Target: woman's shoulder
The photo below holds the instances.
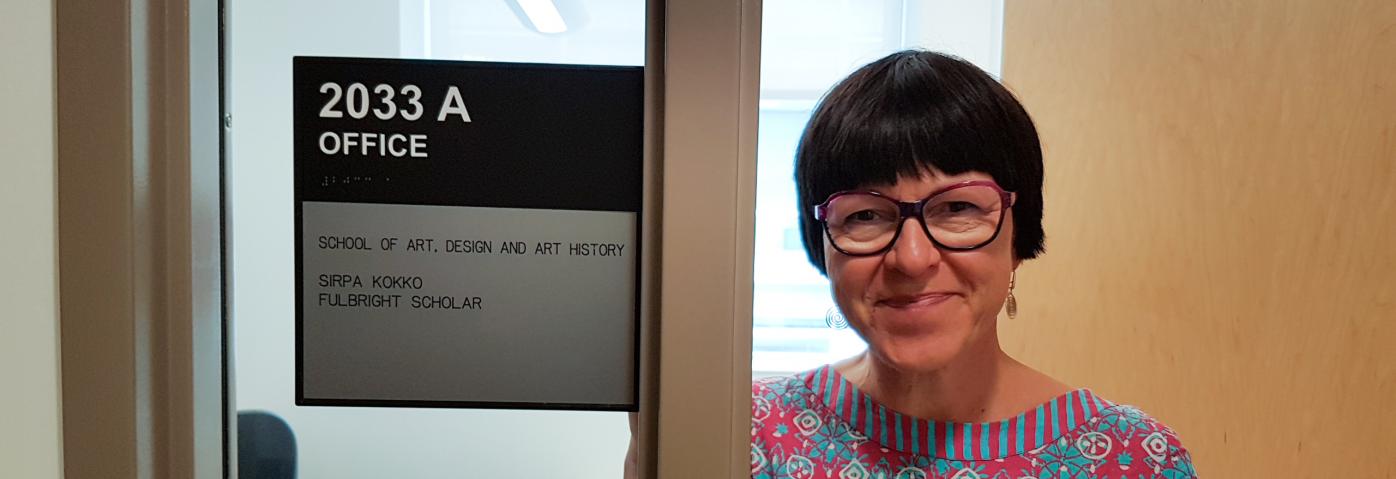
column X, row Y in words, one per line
column 1127, row 421
column 780, row 399
column 1129, row 435
column 783, row 391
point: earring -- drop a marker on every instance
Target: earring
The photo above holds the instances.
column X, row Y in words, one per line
column 1012, row 305
column 834, row 319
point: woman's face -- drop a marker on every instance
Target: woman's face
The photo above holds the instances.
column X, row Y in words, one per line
column 919, row 307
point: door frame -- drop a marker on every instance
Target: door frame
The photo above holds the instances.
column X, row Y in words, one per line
column 710, row 92
column 139, row 226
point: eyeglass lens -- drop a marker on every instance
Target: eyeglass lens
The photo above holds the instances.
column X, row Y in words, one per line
column 959, row 218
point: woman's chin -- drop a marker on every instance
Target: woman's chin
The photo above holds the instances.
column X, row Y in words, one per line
column 921, row 355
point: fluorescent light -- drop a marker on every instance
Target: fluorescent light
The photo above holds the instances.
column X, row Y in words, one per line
column 544, row 15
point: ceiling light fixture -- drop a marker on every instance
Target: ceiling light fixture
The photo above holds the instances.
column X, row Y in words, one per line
column 543, row 14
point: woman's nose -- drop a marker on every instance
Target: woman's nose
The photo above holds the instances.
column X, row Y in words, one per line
column 913, row 254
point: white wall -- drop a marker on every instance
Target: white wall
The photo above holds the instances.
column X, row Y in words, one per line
column 30, row 445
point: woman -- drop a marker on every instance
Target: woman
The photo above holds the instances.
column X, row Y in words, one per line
column 920, row 183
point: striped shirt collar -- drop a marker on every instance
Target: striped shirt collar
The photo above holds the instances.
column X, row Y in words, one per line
column 1027, row 431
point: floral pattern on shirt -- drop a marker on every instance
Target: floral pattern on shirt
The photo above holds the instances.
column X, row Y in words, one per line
column 817, row 425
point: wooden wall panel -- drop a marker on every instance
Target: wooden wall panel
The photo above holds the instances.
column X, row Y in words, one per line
column 1221, row 220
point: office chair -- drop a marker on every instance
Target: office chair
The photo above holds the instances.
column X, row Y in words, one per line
column 266, row 447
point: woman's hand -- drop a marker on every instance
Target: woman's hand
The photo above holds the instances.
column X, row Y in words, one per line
column 632, row 468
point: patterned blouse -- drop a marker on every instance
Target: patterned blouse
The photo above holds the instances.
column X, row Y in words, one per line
column 816, row 424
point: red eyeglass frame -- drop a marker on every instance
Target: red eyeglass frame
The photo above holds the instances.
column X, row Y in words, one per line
column 915, row 209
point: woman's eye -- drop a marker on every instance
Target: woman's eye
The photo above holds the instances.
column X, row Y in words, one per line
column 961, row 207
column 864, row 216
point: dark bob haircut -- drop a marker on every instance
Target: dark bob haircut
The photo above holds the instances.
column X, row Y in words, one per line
column 910, row 112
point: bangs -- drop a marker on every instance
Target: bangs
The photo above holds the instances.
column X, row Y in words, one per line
column 908, row 119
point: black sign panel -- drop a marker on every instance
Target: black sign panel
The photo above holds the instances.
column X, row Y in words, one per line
column 538, row 136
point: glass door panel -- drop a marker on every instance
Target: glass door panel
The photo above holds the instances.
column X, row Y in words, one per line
column 262, row 37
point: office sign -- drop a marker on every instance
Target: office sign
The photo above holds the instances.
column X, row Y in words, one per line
column 467, row 234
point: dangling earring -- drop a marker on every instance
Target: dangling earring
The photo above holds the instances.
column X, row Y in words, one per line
column 834, row 319
column 1012, row 305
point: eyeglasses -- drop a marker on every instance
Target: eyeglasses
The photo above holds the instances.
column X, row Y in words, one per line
column 959, row 217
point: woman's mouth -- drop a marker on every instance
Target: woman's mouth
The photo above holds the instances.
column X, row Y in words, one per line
column 914, row 301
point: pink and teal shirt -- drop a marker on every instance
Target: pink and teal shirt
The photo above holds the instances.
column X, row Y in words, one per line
column 816, row 424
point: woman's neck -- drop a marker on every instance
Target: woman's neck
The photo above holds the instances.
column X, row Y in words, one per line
column 981, row 386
